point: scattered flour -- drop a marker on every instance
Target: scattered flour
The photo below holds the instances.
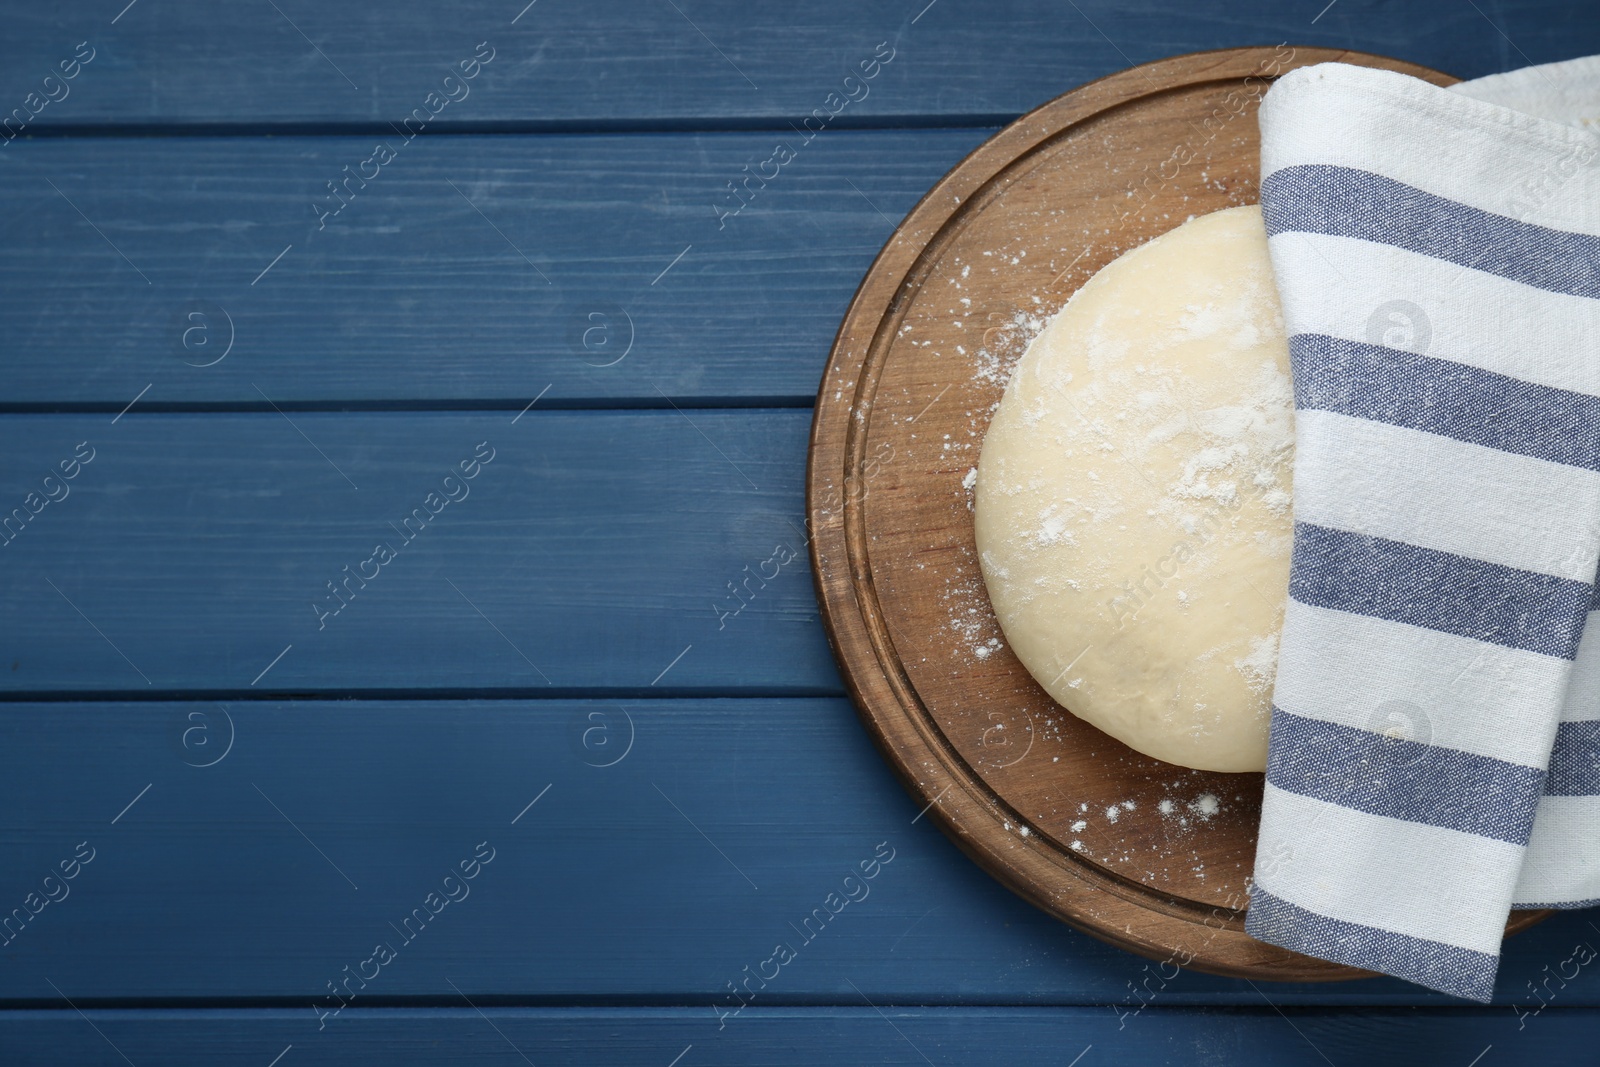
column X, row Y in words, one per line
column 1260, row 666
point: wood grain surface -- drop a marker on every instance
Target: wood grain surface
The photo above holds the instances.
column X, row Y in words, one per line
column 221, row 828
column 597, row 143
column 592, row 551
column 885, row 1033
column 1148, row 855
column 643, row 65
column 474, row 271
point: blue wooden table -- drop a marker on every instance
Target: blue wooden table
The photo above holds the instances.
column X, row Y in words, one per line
column 396, row 400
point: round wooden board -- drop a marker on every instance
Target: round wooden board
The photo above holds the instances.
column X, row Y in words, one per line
column 1140, row 853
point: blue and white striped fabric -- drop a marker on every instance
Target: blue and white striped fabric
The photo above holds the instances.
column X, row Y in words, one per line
column 1562, row 866
column 1437, row 256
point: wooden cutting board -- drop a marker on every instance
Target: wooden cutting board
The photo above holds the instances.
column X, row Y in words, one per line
column 1141, row 853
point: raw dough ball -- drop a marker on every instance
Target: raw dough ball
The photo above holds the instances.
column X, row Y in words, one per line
column 1132, row 501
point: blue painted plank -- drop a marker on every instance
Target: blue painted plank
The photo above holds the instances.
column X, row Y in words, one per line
column 912, row 1036
column 295, row 61
column 190, row 552
column 254, row 849
column 469, row 269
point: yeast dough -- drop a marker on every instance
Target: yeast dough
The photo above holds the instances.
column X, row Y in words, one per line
column 1132, row 500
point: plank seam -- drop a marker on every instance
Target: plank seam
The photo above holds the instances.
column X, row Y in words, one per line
column 536, row 127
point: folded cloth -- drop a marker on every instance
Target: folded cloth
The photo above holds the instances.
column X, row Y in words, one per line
column 1562, row 865
column 1437, row 257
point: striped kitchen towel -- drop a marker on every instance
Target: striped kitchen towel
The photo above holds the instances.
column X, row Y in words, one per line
column 1437, row 257
column 1562, row 865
